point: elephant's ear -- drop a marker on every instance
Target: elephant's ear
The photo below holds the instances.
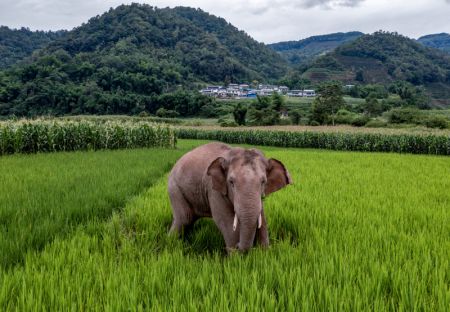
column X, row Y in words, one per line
column 217, row 171
column 277, row 176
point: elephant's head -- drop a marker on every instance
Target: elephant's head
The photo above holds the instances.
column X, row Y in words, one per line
column 245, row 177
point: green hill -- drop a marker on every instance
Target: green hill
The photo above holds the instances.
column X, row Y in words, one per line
column 302, row 51
column 385, row 57
column 121, row 61
column 206, row 46
column 17, row 44
column 439, row 41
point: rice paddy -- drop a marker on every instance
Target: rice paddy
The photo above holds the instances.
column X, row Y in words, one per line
column 356, row 231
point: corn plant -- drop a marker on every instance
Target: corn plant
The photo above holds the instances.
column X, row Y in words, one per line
column 364, row 142
column 51, row 136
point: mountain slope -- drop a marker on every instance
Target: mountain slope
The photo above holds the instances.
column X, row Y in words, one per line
column 211, row 48
column 302, row 51
column 121, row 61
column 17, row 44
column 439, row 41
column 383, row 57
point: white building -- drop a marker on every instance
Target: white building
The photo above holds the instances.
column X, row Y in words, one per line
column 302, row 93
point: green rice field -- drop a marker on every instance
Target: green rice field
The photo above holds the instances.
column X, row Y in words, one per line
column 356, row 231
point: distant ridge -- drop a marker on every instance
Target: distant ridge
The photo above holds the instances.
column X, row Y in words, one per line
column 385, row 57
column 302, row 51
column 439, row 41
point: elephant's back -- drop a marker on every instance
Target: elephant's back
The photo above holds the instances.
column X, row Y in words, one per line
column 191, row 167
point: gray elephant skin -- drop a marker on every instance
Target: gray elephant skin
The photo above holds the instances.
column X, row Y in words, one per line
column 226, row 184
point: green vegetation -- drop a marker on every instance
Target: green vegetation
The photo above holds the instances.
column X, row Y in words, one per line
column 303, row 51
column 364, row 103
column 418, row 117
column 368, row 60
column 329, row 101
column 239, row 114
column 17, row 44
column 51, row 136
column 346, row 141
column 126, row 61
column 124, row 119
column 48, row 196
column 439, row 41
column 351, row 244
column 266, row 111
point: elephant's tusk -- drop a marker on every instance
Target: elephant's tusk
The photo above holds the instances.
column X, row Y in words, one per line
column 259, row 221
column 235, row 222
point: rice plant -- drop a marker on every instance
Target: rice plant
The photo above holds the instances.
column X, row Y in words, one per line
column 355, row 232
column 46, row 196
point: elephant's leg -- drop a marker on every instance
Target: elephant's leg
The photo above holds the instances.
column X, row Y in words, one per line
column 262, row 233
column 231, row 237
column 223, row 216
column 183, row 215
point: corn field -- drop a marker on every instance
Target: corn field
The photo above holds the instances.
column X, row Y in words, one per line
column 52, row 136
column 365, row 142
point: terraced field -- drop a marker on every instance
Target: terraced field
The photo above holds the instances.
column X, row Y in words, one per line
column 356, row 231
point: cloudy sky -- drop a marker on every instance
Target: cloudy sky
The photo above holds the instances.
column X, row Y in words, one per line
column 265, row 20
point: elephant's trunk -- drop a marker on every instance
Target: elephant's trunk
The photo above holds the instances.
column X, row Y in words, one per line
column 248, row 218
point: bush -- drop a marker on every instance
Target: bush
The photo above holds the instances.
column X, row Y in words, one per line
column 285, row 122
column 166, row 113
column 360, row 121
column 144, row 114
column 227, row 123
column 345, row 117
column 405, row 115
column 376, row 123
column 295, row 117
column 304, row 121
column 436, row 122
column 314, row 123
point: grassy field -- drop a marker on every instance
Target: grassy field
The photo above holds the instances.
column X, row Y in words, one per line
column 356, row 231
column 48, row 195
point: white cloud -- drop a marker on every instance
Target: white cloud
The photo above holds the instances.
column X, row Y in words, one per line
column 265, row 20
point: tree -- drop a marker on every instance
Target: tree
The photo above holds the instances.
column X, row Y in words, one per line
column 263, row 111
column 239, row 114
column 295, row 117
column 410, row 94
column 372, row 106
column 359, row 76
column 278, row 102
column 328, row 102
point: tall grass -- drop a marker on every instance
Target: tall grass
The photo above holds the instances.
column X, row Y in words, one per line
column 52, row 136
column 355, row 232
column 48, row 195
column 367, row 142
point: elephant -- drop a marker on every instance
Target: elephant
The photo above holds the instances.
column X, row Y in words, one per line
column 226, row 184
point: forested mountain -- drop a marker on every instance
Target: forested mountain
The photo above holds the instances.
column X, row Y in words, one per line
column 123, row 60
column 296, row 52
column 384, row 57
column 17, row 44
column 439, row 41
column 207, row 47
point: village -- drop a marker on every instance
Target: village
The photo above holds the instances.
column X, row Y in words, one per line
column 245, row 91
